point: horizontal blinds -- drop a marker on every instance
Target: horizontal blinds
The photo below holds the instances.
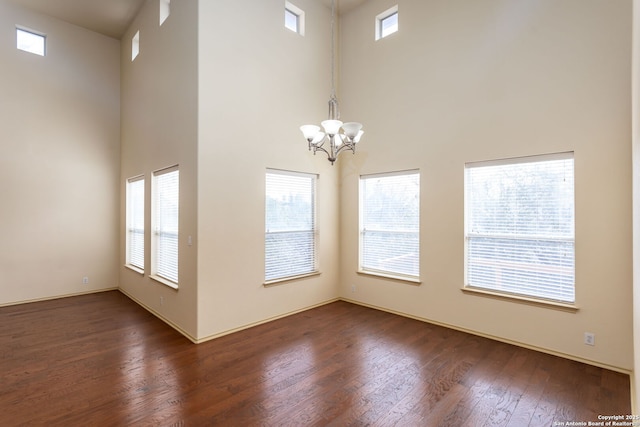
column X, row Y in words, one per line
column 520, row 227
column 290, row 238
column 135, row 223
column 390, row 223
column 166, row 202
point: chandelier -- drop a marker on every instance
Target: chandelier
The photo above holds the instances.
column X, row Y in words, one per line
column 337, row 136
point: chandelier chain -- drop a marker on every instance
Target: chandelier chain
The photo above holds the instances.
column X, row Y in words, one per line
column 337, row 136
column 333, row 49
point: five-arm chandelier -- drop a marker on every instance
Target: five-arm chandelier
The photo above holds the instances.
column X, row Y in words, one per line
column 337, row 136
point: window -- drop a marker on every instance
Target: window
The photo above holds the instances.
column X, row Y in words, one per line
column 135, row 45
column 290, row 225
column 30, row 41
column 519, row 221
column 387, row 23
column 390, row 224
column 135, row 223
column 293, row 18
column 165, row 224
column 165, row 10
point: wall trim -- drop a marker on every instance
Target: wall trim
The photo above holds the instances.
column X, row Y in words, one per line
column 54, row 297
column 634, row 408
column 496, row 338
column 160, row 316
column 226, row 332
column 261, row 322
column 399, row 313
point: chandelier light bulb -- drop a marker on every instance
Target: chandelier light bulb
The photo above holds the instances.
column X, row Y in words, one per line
column 351, row 129
column 331, row 127
column 310, row 132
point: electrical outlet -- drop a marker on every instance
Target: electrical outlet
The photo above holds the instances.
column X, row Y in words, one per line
column 353, row 289
column 589, row 338
column 85, row 280
column 161, row 300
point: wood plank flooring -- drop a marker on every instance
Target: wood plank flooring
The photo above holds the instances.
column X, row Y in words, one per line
column 101, row 360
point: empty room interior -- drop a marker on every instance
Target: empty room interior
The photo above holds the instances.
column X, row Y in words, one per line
column 152, row 152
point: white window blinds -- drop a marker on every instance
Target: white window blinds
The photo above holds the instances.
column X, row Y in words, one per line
column 290, row 224
column 135, row 222
column 165, row 223
column 519, row 218
column 390, row 224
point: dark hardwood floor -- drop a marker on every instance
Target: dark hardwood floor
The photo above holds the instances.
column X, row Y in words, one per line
column 101, row 360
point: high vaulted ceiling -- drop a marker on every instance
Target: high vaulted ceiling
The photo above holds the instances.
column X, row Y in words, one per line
column 112, row 17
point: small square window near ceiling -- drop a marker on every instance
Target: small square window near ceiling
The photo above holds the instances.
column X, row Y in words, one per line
column 135, row 45
column 387, row 23
column 30, row 41
column 293, row 18
column 165, row 10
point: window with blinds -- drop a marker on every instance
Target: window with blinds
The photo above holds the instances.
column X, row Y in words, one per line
column 165, row 224
column 519, row 226
column 290, row 225
column 390, row 224
column 135, row 223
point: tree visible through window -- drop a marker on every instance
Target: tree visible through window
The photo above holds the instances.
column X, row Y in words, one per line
column 519, row 218
column 390, row 224
column 290, row 225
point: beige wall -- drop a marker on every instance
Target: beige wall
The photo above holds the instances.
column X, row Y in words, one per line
column 159, row 129
column 635, row 378
column 258, row 82
column 59, row 167
column 462, row 81
column 466, row 81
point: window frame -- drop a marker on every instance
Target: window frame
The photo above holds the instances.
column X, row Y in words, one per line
column 135, row 46
column 314, row 270
column 300, row 18
column 468, row 235
column 158, row 230
column 388, row 273
column 132, row 207
column 165, row 10
column 381, row 18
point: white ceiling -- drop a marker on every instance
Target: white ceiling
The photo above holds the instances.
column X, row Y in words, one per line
column 112, row 17
column 108, row 17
